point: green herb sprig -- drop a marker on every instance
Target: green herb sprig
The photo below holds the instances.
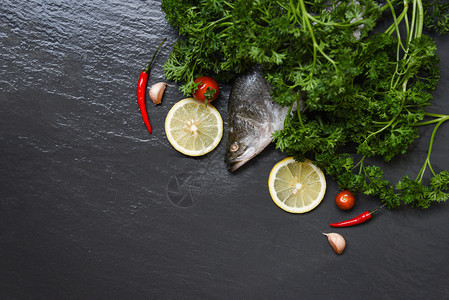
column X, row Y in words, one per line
column 366, row 90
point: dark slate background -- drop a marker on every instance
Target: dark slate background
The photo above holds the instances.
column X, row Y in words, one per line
column 92, row 207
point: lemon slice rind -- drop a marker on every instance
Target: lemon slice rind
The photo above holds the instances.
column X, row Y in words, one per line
column 192, row 128
column 296, row 194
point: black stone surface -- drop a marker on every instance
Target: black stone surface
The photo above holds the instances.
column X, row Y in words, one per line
column 92, row 207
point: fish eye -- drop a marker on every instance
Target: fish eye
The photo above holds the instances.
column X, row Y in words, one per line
column 234, row 147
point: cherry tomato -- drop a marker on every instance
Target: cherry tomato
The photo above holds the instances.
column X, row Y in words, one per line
column 345, row 200
column 207, row 89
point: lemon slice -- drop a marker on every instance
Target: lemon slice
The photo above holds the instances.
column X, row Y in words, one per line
column 193, row 128
column 296, row 187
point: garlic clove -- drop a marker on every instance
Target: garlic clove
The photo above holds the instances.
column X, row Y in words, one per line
column 337, row 242
column 157, row 91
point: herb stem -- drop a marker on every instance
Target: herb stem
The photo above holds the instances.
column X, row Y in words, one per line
column 298, row 111
column 436, row 115
column 440, row 118
column 287, row 118
column 336, row 24
column 316, row 47
column 427, row 161
column 361, row 164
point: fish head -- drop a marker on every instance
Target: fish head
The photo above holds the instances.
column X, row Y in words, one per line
column 253, row 117
column 237, row 154
column 243, row 145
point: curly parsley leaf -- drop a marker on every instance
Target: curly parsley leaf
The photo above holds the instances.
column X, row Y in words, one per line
column 365, row 91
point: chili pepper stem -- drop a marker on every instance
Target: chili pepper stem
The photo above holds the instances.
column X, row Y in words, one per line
column 147, row 69
column 375, row 210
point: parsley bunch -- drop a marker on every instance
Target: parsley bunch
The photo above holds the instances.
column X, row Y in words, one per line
column 365, row 89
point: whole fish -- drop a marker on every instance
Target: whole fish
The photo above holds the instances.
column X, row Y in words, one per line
column 253, row 117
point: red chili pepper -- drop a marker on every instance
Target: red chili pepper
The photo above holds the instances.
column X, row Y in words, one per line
column 363, row 217
column 141, row 87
